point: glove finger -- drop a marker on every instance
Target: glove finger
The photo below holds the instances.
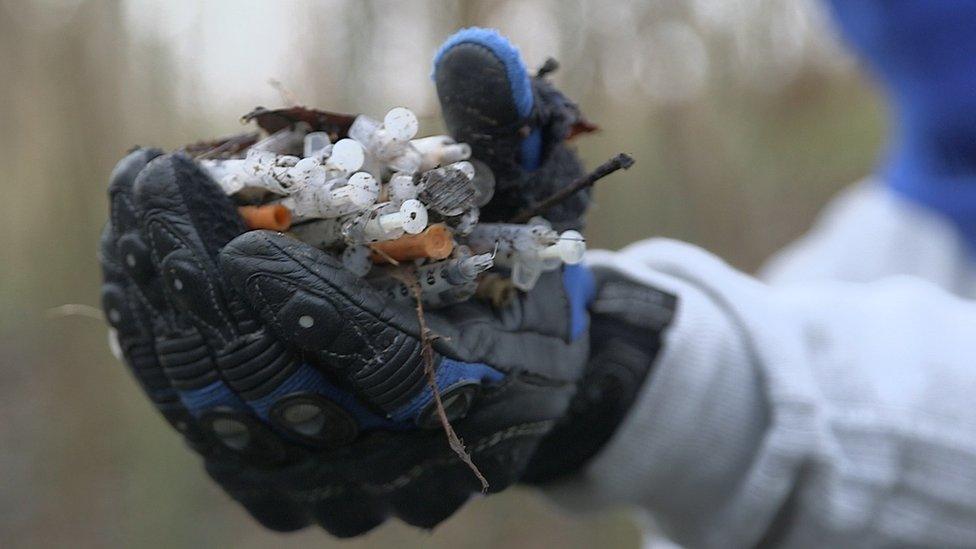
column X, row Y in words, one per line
column 186, row 219
column 133, row 305
column 314, row 305
column 276, row 513
column 432, row 499
column 208, row 406
column 132, row 328
column 349, row 516
column 182, row 355
column 486, row 97
column 128, row 245
column 265, row 504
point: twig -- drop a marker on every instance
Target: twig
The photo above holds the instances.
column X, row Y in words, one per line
column 75, row 309
column 550, row 66
column 427, row 352
column 622, row 161
column 386, row 257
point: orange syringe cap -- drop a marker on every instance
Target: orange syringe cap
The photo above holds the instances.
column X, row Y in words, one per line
column 274, row 217
column 435, row 242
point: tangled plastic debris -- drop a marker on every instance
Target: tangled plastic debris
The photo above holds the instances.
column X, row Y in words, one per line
column 381, row 199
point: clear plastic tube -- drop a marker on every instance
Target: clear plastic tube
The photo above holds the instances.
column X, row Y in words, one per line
column 442, row 283
column 386, row 222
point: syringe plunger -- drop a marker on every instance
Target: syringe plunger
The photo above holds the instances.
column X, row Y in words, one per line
column 411, row 219
column 444, row 282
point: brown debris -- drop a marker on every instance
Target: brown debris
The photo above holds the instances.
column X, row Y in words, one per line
column 335, row 124
column 496, row 289
column 622, row 161
column 580, row 127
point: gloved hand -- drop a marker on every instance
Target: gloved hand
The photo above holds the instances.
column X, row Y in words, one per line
column 627, row 323
column 302, row 388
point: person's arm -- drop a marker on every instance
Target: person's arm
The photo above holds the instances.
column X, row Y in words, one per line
column 869, row 232
column 832, row 414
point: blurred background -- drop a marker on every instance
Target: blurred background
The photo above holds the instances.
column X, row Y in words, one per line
column 745, row 116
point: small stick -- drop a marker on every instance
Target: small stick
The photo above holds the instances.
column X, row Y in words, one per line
column 622, row 161
column 550, row 66
column 75, row 309
column 379, row 251
column 428, row 355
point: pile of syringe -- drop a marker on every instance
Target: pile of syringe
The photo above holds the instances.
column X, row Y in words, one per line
column 382, row 200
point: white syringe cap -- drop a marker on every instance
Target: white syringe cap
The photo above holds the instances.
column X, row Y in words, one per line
column 363, row 189
column 414, row 216
column 458, row 151
column 401, row 123
column 569, row 249
column 401, row 188
column 309, row 172
column 347, row 155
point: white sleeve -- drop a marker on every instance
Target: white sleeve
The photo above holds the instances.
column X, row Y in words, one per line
column 817, row 414
column 868, row 232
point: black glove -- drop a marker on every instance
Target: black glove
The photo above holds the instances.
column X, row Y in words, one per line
column 271, row 409
column 627, row 322
column 522, row 136
column 303, row 389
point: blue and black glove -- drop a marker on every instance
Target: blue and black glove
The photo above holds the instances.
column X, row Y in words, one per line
column 303, row 389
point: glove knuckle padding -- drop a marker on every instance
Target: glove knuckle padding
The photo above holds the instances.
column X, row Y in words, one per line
column 381, row 362
column 187, row 361
column 255, row 364
column 193, row 290
column 136, row 345
column 310, row 302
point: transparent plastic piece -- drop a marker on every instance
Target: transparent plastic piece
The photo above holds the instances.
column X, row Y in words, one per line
column 443, row 282
column 438, row 150
column 356, row 259
column 316, row 145
column 385, row 221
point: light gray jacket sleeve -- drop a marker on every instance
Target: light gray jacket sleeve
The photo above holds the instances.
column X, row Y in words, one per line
column 869, row 232
column 818, row 413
